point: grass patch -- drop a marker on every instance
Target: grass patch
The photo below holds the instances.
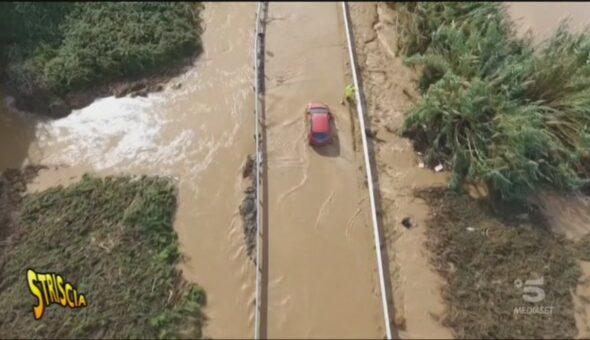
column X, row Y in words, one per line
column 13, row 184
column 59, row 48
column 582, row 248
column 113, row 239
column 494, row 108
column 480, row 250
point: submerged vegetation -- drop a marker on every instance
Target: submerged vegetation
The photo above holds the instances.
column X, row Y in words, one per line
column 497, row 109
column 50, row 50
column 113, row 239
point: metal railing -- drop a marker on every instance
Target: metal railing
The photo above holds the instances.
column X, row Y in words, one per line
column 369, row 172
column 259, row 79
column 259, row 97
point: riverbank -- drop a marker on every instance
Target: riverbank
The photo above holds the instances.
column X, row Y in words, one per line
column 59, row 58
column 389, row 92
column 451, row 257
column 121, row 255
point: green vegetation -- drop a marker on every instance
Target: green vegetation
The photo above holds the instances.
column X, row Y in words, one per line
column 481, row 250
column 62, row 47
column 113, row 239
column 349, row 93
column 496, row 109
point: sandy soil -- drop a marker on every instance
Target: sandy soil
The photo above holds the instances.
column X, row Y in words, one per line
column 389, row 92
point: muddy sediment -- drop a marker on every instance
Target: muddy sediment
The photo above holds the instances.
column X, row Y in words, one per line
column 389, row 92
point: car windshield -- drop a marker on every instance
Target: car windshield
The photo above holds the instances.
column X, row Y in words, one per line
column 320, row 136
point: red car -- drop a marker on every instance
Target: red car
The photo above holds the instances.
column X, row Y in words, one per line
column 318, row 117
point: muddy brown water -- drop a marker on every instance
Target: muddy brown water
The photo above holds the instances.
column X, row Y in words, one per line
column 200, row 134
column 322, row 279
column 542, row 18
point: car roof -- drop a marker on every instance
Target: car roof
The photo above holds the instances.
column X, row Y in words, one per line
column 320, row 122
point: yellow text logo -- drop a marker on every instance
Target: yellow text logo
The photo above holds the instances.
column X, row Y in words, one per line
column 51, row 288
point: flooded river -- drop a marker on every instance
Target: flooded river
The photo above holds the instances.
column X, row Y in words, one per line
column 322, row 265
column 322, row 278
column 322, row 275
column 200, row 134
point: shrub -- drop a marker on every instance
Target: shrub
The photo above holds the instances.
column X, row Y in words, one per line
column 74, row 46
column 494, row 108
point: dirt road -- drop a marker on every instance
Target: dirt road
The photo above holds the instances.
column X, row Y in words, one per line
column 321, row 269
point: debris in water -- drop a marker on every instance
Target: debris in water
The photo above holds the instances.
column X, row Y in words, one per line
column 248, row 167
column 439, row 168
column 400, row 322
column 248, row 213
column 248, row 208
column 407, row 222
column 470, row 229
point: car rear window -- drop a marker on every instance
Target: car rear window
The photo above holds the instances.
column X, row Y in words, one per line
column 318, row 110
column 320, row 136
